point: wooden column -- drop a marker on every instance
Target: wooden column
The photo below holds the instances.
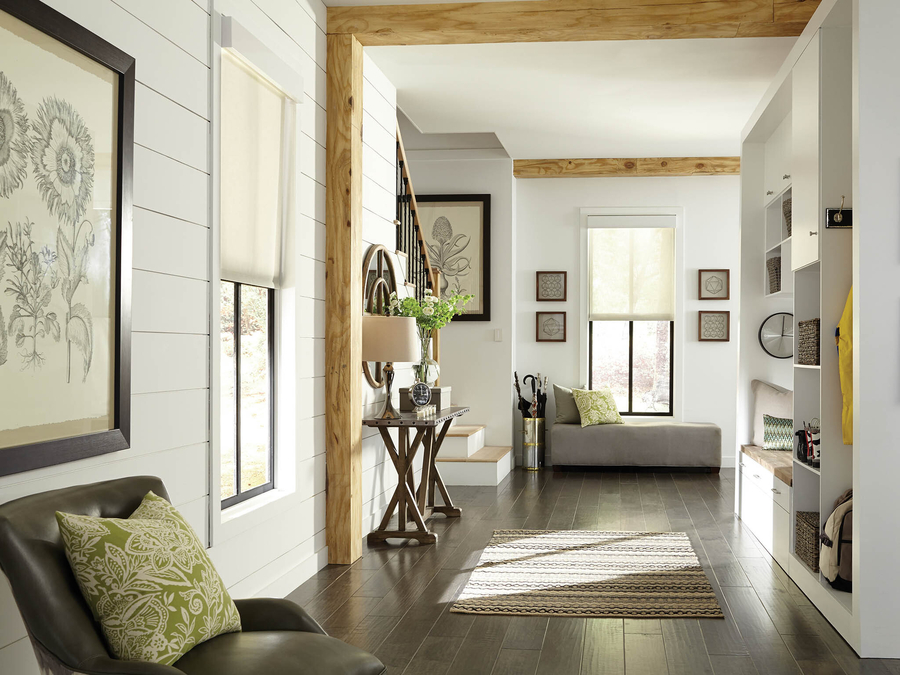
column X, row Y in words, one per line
column 343, row 300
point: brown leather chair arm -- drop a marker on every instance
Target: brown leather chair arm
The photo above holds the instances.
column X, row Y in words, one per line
column 275, row 614
column 104, row 665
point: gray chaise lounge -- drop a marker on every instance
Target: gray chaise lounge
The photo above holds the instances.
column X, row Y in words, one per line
column 638, row 444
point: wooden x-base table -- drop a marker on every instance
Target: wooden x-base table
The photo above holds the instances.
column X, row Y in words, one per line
column 411, row 503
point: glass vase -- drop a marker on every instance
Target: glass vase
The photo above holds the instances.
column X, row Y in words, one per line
column 427, row 370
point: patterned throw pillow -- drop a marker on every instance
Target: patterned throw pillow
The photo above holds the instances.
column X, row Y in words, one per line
column 597, row 406
column 778, row 433
column 148, row 581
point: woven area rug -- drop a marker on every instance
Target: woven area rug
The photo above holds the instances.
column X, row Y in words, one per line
column 629, row 575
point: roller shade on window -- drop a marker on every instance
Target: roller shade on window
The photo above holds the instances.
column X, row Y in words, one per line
column 255, row 121
column 632, row 274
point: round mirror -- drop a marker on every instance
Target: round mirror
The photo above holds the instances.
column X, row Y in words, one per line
column 776, row 335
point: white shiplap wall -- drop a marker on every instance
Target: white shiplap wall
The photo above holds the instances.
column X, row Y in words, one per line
column 277, row 545
column 379, row 210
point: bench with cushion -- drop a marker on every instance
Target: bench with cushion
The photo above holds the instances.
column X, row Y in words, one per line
column 638, row 443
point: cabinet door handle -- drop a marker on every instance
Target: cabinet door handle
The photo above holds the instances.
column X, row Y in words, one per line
column 770, row 192
column 756, row 475
column 786, row 176
column 813, row 234
column 776, row 491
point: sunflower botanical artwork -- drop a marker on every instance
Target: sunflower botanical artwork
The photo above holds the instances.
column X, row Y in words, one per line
column 15, row 143
column 456, row 229
column 66, row 147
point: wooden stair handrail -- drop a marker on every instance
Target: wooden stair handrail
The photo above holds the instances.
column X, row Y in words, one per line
column 401, row 157
column 433, row 275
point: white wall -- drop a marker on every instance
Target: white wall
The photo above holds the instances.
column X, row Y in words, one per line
column 876, row 287
column 272, row 548
column 478, row 368
column 548, row 238
column 379, row 476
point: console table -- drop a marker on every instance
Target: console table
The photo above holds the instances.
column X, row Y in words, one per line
column 417, row 504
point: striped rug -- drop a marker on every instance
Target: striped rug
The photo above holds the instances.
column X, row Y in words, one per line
column 629, row 575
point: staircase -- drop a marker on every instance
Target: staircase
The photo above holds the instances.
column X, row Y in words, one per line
column 465, row 460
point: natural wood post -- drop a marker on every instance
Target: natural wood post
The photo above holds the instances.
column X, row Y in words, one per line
column 343, row 300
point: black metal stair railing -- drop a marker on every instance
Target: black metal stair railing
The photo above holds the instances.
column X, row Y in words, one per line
column 410, row 241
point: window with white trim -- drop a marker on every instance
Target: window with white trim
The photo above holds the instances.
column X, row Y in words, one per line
column 631, row 316
column 255, row 123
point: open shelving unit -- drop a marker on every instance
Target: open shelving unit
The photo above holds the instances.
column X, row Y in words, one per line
column 798, row 147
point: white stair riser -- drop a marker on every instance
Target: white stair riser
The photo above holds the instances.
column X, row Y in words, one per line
column 462, row 446
column 476, row 473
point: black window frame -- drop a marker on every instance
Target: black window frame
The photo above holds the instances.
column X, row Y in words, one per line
column 240, row 495
column 630, row 411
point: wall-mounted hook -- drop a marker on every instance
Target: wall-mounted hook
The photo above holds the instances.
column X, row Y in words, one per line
column 839, row 216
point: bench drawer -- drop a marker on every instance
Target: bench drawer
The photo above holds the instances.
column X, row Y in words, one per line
column 759, row 476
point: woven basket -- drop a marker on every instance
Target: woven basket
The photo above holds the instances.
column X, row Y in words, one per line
column 807, row 538
column 787, row 211
column 773, row 265
column 808, row 347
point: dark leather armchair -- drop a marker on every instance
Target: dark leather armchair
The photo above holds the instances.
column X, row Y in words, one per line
column 278, row 637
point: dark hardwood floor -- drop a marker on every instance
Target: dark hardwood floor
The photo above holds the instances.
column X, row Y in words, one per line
column 395, row 601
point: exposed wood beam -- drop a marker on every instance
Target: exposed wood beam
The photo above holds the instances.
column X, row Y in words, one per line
column 570, row 20
column 638, row 166
column 343, row 300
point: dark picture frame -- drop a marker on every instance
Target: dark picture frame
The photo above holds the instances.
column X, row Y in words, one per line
column 700, row 335
column 537, row 285
column 725, row 294
column 31, row 456
column 540, row 317
column 484, row 253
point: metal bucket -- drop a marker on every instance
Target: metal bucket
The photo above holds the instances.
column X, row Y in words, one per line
column 533, row 443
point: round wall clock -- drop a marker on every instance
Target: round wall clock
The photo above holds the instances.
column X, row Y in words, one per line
column 776, row 335
column 420, row 394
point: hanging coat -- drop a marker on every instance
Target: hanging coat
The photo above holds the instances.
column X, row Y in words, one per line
column 843, row 338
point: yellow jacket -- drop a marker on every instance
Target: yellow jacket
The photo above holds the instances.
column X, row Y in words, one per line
column 843, row 338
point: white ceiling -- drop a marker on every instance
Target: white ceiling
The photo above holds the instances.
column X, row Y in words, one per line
column 647, row 98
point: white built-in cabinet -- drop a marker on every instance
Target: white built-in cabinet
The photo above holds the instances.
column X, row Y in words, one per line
column 799, row 147
column 779, row 159
column 805, row 102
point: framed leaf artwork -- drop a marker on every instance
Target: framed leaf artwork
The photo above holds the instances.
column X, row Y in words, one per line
column 67, row 115
column 457, row 232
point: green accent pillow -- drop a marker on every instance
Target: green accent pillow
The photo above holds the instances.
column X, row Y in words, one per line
column 148, row 581
column 597, row 406
column 778, row 433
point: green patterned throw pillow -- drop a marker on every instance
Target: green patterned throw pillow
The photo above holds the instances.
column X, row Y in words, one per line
column 148, row 581
column 778, row 433
column 597, row 406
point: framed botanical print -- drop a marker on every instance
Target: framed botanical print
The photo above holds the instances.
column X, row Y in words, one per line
column 457, row 231
column 550, row 326
column 66, row 148
column 551, row 286
column 714, row 284
column 715, row 327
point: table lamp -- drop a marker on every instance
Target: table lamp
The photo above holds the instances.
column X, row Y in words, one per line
column 388, row 339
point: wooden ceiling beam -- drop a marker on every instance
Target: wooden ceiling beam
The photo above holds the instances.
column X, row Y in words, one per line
column 569, row 20
column 627, row 167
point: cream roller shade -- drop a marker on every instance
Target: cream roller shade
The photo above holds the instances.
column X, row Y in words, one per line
column 632, row 274
column 255, row 119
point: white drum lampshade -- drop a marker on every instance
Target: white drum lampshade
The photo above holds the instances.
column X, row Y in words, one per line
column 389, row 339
